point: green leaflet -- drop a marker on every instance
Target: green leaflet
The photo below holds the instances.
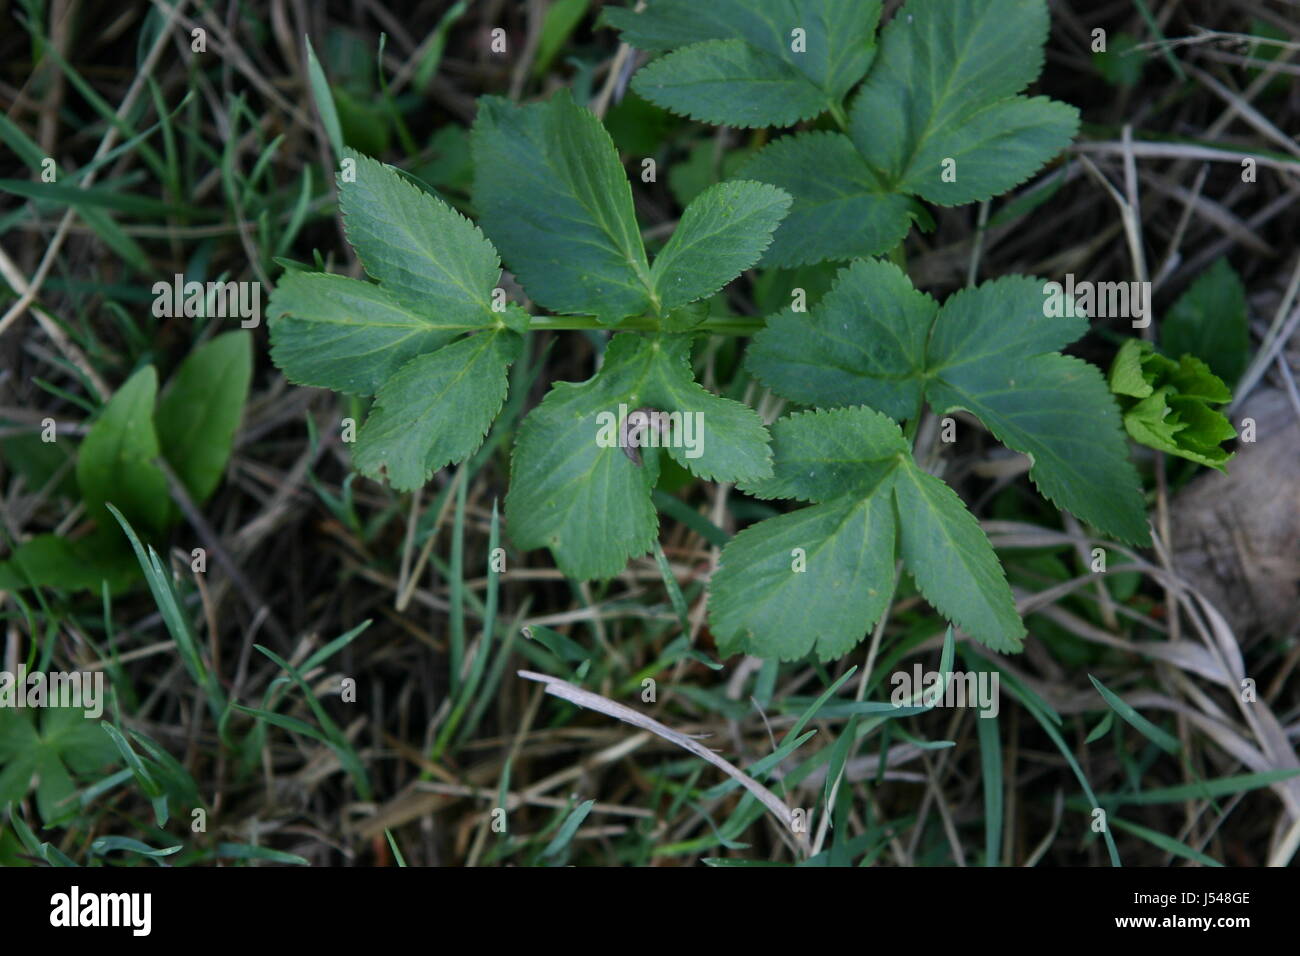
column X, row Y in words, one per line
column 1166, row 404
column 729, row 83
column 555, row 200
column 841, row 207
column 817, row 579
column 751, row 63
column 574, row 490
column 1209, row 321
column 952, row 561
column 330, row 331
column 554, row 197
column 760, row 605
column 116, row 460
column 864, row 343
column 991, row 351
column 438, row 275
column 723, row 232
column 200, row 410
column 436, row 409
column 943, row 85
column 938, row 117
column 994, row 151
column 424, row 253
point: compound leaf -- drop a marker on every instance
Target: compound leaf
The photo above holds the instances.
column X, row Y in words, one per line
column 817, row 579
column 937, row 118
column 943, row 64
column 990, row 351
column 335, row 332
column 437, row 275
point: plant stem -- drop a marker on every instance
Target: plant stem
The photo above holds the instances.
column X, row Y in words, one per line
column 910, row 427
column 840, row 117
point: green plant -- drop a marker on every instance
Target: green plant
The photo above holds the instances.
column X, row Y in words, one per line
column 1167, row 404
column 937, row 117
column 190, row 428
column 45, row 752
